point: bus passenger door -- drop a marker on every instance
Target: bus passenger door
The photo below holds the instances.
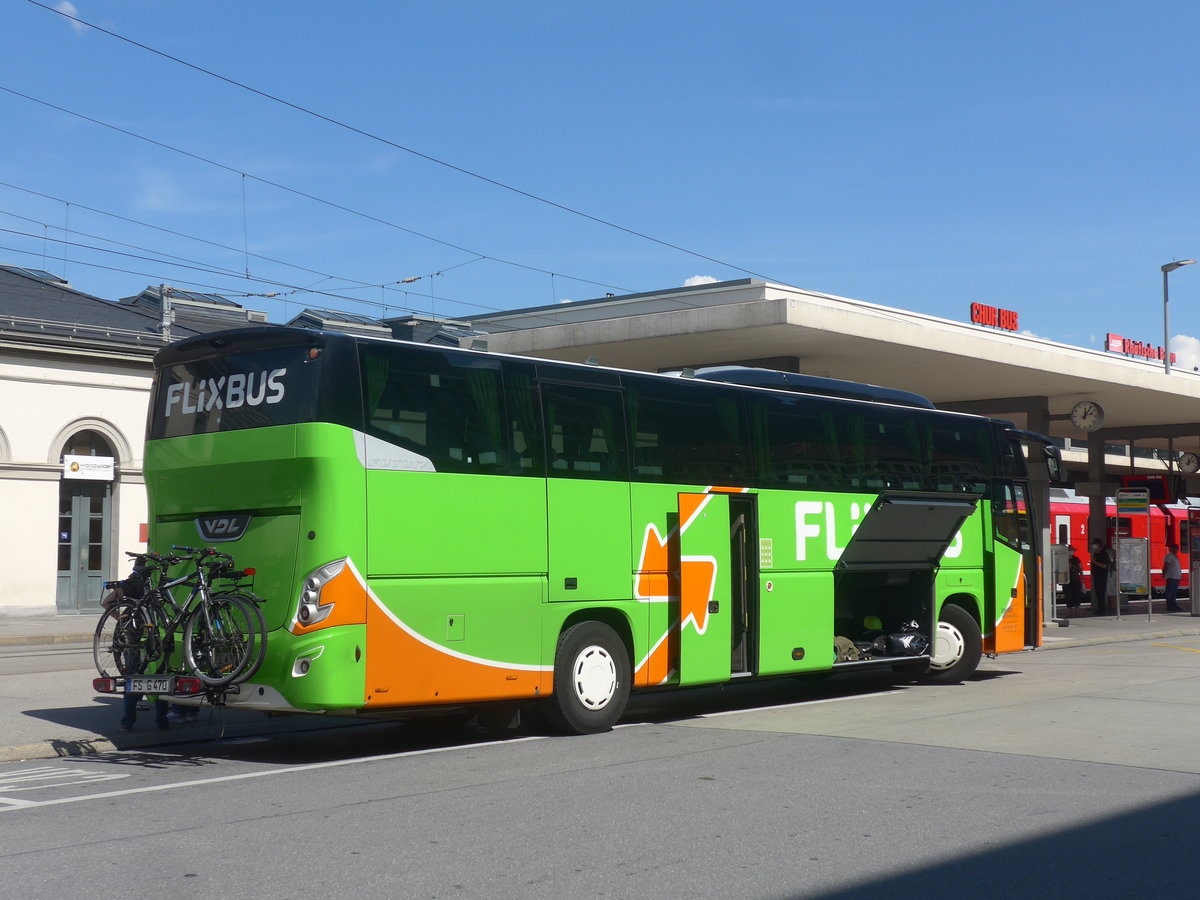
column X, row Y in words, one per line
column 1015, row 616
column 705, row 603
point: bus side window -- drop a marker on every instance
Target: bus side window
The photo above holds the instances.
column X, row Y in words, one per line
column 802, row 446
column 1010, row 519
column 960, row 457
column 449, row 413
column 684, row 434
column 893, row 456
column 524, row 420
column 585, row 432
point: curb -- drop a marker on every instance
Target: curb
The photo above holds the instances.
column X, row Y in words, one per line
column 26, row 640
column 1064, row 643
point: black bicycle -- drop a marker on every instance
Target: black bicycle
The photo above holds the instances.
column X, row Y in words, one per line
column 223, row 631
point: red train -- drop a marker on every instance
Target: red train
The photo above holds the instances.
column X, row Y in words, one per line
column 1168, row 524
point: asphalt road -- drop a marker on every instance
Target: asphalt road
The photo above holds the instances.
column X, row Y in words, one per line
column 1071, row 773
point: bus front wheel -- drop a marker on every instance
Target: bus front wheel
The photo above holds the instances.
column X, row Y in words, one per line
column 957, row 646
column 591, row 680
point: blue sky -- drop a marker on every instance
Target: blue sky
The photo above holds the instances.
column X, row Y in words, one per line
column 1039, row 157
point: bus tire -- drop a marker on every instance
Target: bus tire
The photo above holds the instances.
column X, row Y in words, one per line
column 957, row 646
column 591, row 680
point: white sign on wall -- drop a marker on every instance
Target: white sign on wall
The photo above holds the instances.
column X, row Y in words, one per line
column 88, row 468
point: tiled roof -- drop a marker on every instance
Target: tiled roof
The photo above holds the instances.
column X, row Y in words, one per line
column 41, row 305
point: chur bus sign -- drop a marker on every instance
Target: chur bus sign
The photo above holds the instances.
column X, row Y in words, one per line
column 994, row 317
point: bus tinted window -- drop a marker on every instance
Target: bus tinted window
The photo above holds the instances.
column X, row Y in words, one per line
column 447, row 408
column 585, row 432
column 886, row 448
column 685, row 435
column 802, row 447
column 1012, row 459
column 962, row 455
column 524, row 420
column 252, row 390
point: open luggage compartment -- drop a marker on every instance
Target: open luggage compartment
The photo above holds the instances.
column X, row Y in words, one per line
column 885, row 607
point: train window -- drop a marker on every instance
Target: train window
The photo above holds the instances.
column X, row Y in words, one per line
column 1123, row 525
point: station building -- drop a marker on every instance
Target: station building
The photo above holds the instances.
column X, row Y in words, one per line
column 75, row 376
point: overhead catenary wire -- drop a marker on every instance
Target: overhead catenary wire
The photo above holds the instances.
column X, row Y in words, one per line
column 397, row 146
column 210, row 268
column 354, row 285
column 226, row 291
column 214, row 270
column 299, row 193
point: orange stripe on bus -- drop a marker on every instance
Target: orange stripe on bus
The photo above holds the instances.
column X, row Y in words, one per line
column 402, row 670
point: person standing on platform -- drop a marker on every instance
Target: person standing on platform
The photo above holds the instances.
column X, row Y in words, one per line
column 1100, row 566
column 1073, row 590
column 1172, row 575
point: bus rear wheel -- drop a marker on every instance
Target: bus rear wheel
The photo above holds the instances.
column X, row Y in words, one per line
column 957, row 646
column 591, row 680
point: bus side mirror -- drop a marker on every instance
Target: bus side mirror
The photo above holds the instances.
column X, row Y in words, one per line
column 1055, row 473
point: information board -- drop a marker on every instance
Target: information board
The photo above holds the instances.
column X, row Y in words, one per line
column 1133, row 566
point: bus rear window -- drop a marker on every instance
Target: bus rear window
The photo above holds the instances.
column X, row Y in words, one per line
column 252, row 390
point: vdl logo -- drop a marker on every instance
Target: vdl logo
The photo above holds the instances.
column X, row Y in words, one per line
column 222, row 527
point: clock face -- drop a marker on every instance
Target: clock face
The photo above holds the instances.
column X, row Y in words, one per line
column 1087, row 415
column 1189, row 463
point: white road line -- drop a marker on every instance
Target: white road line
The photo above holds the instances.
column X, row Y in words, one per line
column 51, row 776
column 798, row 704
column 28, row 804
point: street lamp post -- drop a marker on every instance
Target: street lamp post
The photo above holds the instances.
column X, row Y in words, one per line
column 1166, row 270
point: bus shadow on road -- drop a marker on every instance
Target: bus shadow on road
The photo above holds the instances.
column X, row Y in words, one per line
column 1142, row 853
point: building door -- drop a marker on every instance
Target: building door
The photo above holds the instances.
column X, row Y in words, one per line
column 84, row 530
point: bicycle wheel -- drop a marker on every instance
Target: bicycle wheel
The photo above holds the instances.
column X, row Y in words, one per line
column 259, row 653
column 218, row 640
column 120, row 645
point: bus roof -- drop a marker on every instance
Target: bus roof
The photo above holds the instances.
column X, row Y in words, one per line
column 735, row 376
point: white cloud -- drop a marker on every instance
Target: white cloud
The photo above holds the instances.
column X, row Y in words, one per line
column 1187, row 351
column 68, row 8
column 698, row 280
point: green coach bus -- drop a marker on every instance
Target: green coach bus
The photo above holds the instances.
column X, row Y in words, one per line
column 439, row 529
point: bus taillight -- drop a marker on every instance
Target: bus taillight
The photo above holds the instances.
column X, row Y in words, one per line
column 311, row 610
column 188, row 685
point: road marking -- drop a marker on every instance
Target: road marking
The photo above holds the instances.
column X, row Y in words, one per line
column 44, row 777
column 288, row 770
column 801, row 703
column 1176, row 647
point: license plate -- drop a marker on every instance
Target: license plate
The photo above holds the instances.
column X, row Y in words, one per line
column 149, row 684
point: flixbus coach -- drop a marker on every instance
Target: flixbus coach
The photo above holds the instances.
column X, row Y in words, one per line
column 434, row 529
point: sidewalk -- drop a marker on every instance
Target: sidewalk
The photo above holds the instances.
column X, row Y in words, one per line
column 18, row 630
column 47, row 715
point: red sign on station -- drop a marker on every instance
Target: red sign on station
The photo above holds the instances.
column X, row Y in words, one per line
column 994, row 317
column 1114, row 343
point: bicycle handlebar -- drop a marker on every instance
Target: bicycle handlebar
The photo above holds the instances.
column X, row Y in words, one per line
column 220, row 565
